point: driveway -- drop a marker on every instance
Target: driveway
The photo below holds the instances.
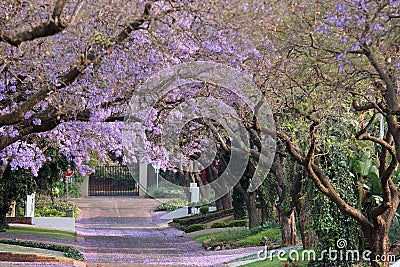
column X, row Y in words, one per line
column 124, row 231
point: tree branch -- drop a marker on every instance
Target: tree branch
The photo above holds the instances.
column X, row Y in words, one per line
column 53, row 26
column 68, row 78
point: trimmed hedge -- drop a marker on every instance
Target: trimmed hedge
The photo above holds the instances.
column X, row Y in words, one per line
column 69, row 252
column 238, row 223
column 180, row 223
column 204, row 209
column 194, row 228
column 219, row 225
column 234, row 223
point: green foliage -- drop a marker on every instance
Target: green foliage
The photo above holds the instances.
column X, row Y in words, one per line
column 171, row 205
column 394, row 233
column 238, row 202
column 69, row 251
column 330, row 223
column 242, row 237
column 166, row 191
column 269, row 235
column 194, row 228
column 219, row 225
column 180, row 223
column 45, row 207
column 238, row 223
column 17, row 184
column 204, row 209
column 233, row 223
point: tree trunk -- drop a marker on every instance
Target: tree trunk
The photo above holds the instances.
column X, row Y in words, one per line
column 379, row 245
column 252, row 209
column 288, row 226
column 266, row 208
column 308, row 236
column 224, row 203
column 3, row 218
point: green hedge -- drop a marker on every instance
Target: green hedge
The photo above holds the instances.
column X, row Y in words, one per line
column 234, row 223
column 69, row 251
column 194, row 228
column 180, row 223
column 238, row 223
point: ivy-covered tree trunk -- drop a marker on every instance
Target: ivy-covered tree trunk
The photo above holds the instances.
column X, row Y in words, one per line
column 309, row 238
column 239, row 205
column 250, row 200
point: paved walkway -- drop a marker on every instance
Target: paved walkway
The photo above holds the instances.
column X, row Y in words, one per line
column 123, row 231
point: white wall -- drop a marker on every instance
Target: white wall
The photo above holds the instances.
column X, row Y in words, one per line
column 62, row 223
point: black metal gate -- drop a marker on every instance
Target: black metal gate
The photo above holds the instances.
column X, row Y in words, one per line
column 113, row 181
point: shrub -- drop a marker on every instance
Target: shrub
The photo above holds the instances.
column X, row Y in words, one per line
column 194, row 228
column 180, row 223
column 45, row 207
column 238, row 223
column 171, row 205
column 166, row 191
column 204, row 210
column 219, row 225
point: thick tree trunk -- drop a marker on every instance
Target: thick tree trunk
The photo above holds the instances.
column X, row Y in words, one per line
column 252, row 209
column 308, row 236
column 379, row 245
column 3, row 219
column 288, row 226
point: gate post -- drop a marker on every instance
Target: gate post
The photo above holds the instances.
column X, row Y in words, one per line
column 142, row 179
column 84, row 186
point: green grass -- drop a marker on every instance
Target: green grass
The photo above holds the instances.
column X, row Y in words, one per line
column 241, row 237
column 42, row 232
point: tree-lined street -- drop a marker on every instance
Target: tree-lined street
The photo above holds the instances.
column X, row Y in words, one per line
column 123, row 231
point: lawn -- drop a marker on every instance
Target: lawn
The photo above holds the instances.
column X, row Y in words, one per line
column 241, row 237
column 42, row 232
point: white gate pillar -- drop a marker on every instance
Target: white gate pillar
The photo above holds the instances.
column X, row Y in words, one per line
column 142, row 179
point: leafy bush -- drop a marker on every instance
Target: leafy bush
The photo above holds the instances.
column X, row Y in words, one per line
column 219, row 225
column 238, row 223
column 234, row 223
column 171, row 205
column 166, row 191
column 180, row 223
column 45, row 207
column 69, row 251
column 194, row 228
column 204, row 209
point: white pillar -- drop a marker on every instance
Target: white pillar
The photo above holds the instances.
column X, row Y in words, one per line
column 142, row 179
column 30, row 206
column 84, row 186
